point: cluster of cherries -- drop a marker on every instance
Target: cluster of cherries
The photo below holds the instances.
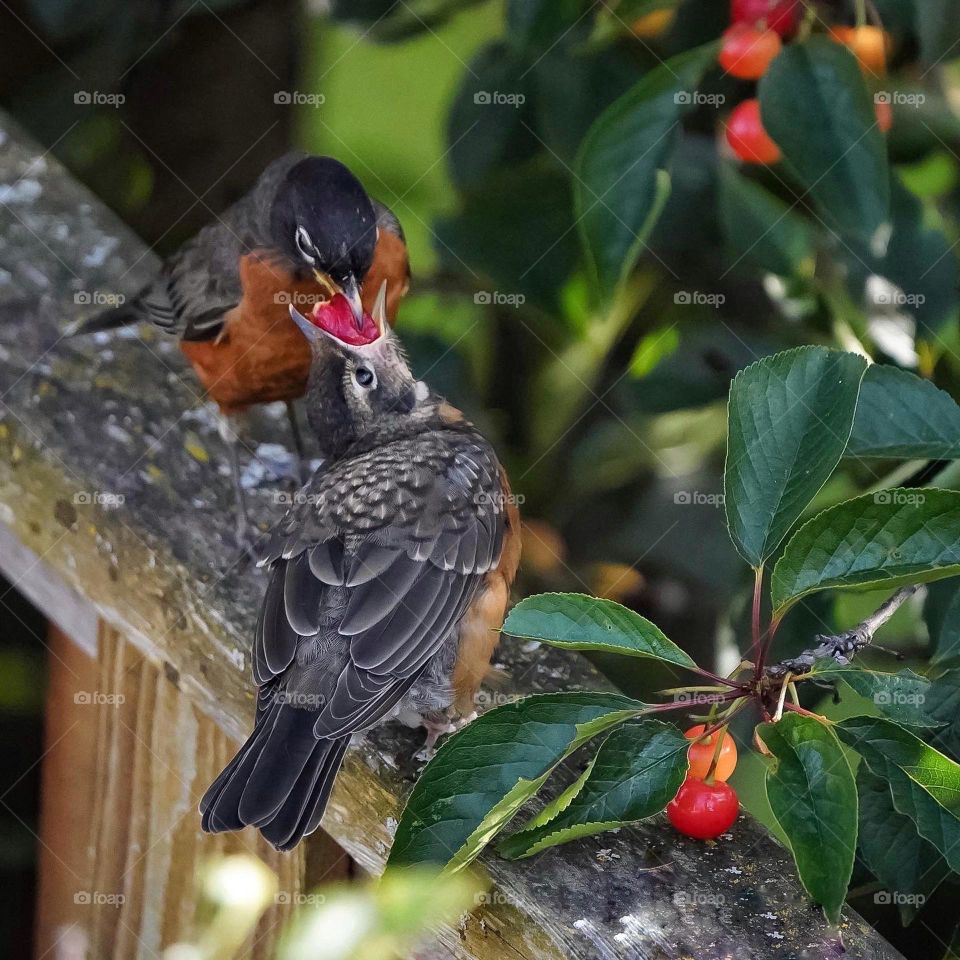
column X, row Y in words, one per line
column 706, row 805
column 756, row 35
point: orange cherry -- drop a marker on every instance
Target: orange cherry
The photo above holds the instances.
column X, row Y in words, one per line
column 746, row 51
column 747, row 137
column 701, row 754
column 870, row 45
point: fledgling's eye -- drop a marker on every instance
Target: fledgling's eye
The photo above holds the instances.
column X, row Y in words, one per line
column 304, row 244
column 365, row 378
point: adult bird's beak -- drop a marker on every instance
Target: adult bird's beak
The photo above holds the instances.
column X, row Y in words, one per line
column 350, row 289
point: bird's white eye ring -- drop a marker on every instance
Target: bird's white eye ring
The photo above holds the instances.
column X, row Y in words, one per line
column 305, row 245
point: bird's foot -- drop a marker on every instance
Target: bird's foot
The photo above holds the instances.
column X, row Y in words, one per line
column 437, row 724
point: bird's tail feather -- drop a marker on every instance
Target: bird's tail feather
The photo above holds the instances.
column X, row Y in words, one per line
column 110, row 319
column 279, row 781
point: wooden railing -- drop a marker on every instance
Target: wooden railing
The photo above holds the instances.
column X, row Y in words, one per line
column 116, row 522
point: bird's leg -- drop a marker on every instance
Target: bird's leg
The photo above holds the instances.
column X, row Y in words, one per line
column 303, row 465
column 244, row 527
column 437, row 724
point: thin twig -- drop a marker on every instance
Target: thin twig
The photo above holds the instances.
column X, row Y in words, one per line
column 843, row 646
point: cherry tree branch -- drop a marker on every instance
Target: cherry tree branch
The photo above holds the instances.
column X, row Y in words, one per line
column 842, row 646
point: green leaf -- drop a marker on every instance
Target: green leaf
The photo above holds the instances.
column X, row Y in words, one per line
column 883, row 539
column 636, row 773
column 579, row 622
column 534, row 25
column 816, row 107
column 902, row 415
column 905, row 863
column 789, row 421
column 948, row 640
column 924, row 784
column 943, row 706
column 760, row 229
column 900, row 696
column 813, row 796
column 481, row 776
column 621, row 178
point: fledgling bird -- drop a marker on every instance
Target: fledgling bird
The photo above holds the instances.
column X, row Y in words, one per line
column 390, row 577
column 307, row 233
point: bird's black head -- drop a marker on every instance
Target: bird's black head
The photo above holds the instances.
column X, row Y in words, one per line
column 324, row 222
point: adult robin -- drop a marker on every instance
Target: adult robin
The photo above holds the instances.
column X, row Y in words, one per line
column 389, row 580
column 308, row 233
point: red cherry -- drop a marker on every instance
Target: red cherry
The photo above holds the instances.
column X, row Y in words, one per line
column 783, row 16
column 703, row 810
column 746, row 136
column 747, row 51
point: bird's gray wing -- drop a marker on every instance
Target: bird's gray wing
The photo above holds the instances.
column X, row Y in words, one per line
column 201, row 281
column 373, row 572
column 387, row 219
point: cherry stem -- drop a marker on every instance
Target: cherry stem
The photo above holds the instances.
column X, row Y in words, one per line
column 796, row 708
column 726, row 681
column 720, row 735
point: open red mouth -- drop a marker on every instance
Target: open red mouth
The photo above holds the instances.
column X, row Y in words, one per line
column 336, row 318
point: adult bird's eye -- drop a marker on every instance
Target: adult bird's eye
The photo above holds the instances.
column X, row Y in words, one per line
column 365, row 377
column 304, row 244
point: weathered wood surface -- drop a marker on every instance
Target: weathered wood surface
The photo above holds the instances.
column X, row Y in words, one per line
column 125, row 418
column 125, row 757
